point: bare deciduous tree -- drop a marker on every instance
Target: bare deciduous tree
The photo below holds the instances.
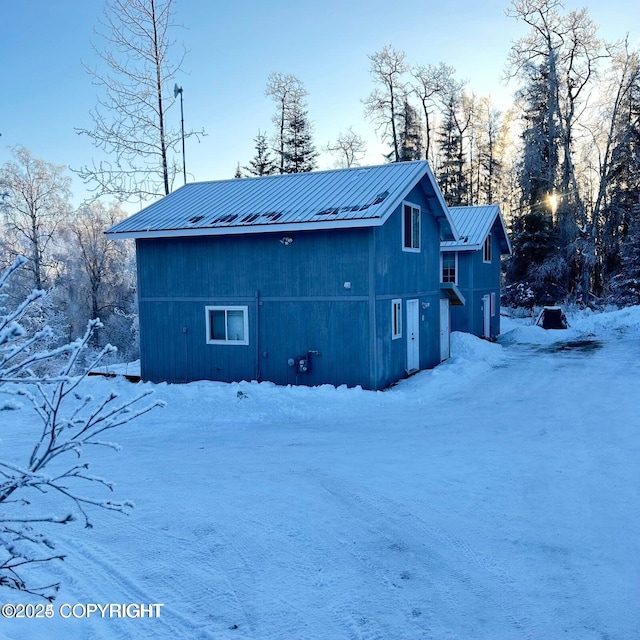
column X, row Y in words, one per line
column 102, row 267
column 621, row 122
column 36, row 202
column 431, row 83
column 288, row 93
column 586, row 185
column 387, row 71
column 349, row 147
column 130, row 122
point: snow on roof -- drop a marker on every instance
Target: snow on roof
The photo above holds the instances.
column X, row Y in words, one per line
column 474, row 224
column 362, row 196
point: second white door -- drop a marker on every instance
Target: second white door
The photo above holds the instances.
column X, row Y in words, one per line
column 413, row 335
column 445, row 330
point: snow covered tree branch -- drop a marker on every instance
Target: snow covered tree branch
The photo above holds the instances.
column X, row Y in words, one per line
column 70, row 423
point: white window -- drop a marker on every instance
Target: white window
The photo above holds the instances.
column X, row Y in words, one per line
column 396, row 319
column 410, row 227
column 227, row 325
column 449, row 266
column 493, row 304
column 486, row 254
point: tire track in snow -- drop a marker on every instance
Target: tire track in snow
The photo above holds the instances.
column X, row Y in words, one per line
column 187, row 612
column 247, row 557
column 287, row 571
column 370, row 530
column 489, row 582
column 359, row 619
column 213, row 607
column 104, row 569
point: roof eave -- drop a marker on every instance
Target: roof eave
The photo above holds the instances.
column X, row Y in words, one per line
column 505, row 243
column 460, row 247
column 468, row 247
column 440, row 198
column 402, row 194
column 292, row 227
column 453, row 293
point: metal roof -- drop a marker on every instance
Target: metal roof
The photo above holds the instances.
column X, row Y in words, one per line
column 362, row 196
column 474, row 224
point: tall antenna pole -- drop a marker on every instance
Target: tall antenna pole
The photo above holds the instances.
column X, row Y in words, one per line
column 178, row 90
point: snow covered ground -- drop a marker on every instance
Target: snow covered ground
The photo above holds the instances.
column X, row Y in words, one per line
column 494, row 497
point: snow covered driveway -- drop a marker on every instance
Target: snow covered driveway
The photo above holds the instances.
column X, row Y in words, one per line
column 495, row 497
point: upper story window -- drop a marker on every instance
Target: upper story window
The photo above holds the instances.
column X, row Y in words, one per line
column 450, row 266
column 486, row 252
column 227, row 325
column 410, row 227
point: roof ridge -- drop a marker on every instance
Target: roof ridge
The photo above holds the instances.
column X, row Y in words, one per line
column 305, row 173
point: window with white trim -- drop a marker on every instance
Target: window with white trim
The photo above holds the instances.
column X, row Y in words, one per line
column 410, row 227
column 486, row 253
column 396, row 319
column 227, row 325
column 449, row 266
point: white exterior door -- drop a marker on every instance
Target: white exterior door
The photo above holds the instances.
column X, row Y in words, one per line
column 445, row 330
column 486, row 315
column 413, row 335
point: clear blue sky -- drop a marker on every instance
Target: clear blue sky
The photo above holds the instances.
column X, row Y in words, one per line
column 232, row 48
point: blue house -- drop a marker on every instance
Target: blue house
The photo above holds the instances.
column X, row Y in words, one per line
column 310, row 278
column 472, row 263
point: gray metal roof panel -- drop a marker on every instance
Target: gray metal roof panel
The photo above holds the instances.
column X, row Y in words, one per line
column 474, row 224
column 320, row 199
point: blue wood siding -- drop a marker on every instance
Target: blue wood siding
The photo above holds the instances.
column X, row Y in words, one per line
column 315, row 263
column 407, row 272
column 338, row 330
column 406, row 275
column 391, row 355
column 327, row 291
column 461, row 315
column 173, row 344
column 476, row 279
column 296, row 291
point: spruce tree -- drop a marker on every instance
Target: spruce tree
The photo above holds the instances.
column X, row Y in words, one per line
column 409, row 133
column 451, row 174
column 536, row 262
column 623, row 190
column 262, row 164
column 299, row 151
column 541, row 142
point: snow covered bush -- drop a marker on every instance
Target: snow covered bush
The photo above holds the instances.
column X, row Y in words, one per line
column 624, row 288
column 519, row 295
column 52, row 474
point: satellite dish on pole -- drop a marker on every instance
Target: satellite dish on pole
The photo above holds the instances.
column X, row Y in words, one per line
column 177, row 90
